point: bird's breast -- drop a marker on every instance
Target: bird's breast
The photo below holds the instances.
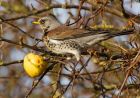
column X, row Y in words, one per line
column 61, row 47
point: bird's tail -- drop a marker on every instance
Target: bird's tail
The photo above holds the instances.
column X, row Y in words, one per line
column 107, row 35
column 119, row 33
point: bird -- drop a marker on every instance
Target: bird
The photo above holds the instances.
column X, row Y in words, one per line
column 62, row 39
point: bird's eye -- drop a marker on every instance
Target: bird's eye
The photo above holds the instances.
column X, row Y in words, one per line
column 42, row 21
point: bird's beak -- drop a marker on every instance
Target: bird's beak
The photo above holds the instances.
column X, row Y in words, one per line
column 36, row 22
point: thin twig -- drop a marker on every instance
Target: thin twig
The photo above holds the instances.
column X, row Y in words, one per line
column 22, row 44
column 113, row 11
column 13, row 62
column 40, row 78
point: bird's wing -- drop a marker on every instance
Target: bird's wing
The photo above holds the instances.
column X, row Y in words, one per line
column 66, row 32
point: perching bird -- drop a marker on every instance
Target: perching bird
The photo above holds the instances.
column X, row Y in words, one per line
column 62, row 39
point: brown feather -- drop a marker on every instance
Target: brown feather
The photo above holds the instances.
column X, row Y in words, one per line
column 65, row 32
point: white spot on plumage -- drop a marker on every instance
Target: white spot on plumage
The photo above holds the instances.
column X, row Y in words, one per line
column 55, row 41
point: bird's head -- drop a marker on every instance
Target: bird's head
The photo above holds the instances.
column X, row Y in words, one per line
column 47, row 23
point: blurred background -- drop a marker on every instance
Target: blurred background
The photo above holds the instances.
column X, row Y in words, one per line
column 106, row 75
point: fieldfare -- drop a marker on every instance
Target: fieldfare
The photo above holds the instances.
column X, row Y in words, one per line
column 62, row 39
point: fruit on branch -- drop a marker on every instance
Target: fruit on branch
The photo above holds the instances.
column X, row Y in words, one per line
column 34, row 65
